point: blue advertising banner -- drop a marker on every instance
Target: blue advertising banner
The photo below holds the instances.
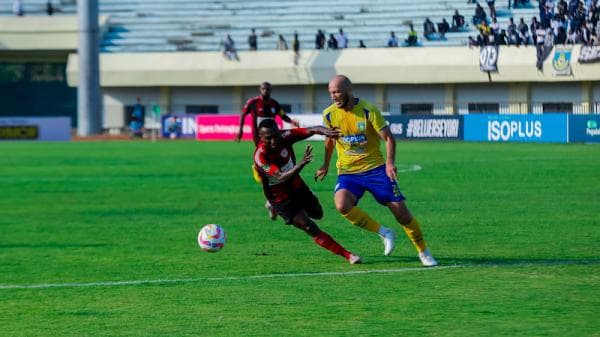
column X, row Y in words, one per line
column 584, row 129
column 178, row 126
column 426, row 127
column 550, row 128
column 35, row 128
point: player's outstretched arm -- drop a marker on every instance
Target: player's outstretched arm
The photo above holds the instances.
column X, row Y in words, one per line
column 321, row 130
column 322, row 171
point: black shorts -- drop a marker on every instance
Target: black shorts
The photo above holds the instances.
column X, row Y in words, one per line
column 303, row 199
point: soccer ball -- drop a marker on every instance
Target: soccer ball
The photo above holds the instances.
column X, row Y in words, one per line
column 211, row 238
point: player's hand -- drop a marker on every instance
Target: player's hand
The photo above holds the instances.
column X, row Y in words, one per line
column 308, row 155
column 391, row 171
column 332, row 133
column 321, row 173
column 295, row 123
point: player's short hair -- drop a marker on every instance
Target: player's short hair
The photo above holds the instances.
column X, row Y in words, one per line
column 268, row 124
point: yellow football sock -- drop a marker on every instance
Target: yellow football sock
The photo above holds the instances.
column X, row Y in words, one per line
column 413, row 231
column 256, row 175
column 359, row 218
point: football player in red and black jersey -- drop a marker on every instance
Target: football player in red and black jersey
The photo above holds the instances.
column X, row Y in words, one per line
column 284, row 188
column 260, row 108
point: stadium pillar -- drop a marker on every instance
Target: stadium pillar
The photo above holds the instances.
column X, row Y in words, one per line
column 88, row 89
column 164, row 99
column 237, row 101
column 381, row 97
column 309, row 99
column 586, row 97
column 450, row 99
column 519, row 96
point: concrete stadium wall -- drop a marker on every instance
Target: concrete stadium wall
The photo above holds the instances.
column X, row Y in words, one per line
column 448, row 78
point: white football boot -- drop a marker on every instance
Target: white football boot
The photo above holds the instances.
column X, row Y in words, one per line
column 389, row 240
column 427, row 259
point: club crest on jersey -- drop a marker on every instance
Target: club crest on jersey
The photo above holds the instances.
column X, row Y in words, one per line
column 273, row 109
column 284, row 153
column 266, row 167
column 361, row 126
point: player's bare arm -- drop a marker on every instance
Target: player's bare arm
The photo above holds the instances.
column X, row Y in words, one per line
column 321, row 130
column 306, row 158
column 329, row 146
column 390, row 146
column 287, row 118
column 241, row 130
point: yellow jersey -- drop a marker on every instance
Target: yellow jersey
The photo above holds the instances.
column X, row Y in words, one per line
column 358, row 145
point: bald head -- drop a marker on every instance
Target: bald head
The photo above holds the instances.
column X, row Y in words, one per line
column 340, row 91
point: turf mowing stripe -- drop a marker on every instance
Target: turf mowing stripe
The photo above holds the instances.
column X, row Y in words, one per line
column 266, row 276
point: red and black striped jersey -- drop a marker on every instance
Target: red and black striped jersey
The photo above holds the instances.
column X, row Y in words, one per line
column 268, row 161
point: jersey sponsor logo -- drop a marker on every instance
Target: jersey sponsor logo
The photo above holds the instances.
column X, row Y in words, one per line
column 284, row 153
column 354, row 139
column 288, row 167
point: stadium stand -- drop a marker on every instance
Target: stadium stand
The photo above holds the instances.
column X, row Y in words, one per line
column 190, row 25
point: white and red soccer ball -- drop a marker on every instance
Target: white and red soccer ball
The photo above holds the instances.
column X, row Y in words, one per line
column 211, row 238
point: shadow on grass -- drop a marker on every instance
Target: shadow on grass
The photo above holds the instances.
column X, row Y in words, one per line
column 52, row 245
column 485, row 262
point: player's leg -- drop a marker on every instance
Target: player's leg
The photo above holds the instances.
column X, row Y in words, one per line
column 311, row 203
column 349, row 189
column 413, row 231
column 303, row 222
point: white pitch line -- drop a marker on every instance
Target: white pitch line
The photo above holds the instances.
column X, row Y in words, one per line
column 271, row 276
column 211, row 279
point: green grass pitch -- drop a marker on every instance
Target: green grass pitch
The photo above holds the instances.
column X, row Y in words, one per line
column 99, row 239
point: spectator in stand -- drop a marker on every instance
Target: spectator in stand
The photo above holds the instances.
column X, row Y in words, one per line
column 495, row 28
column 320, row 40
column 342, row 39
column 229, row 50
column 443, row 28
column 562, row 8
column 523, row 32
column 296, row 44
column 282, row 43
column 428, row 29
column 458, row 21
column 472, row 42
column 479, row 16
column 572, row 37
column 296, row 48
column 513, row 34
column 561, row 36
column 532, row 26
column 572, row 7
column 392, row 40
column 252, row 40
column 492, row 6
column 502, row 39
column 361, row 44
column 332, row 43
column 411, row 40
column 49, row 8
column 18, row 8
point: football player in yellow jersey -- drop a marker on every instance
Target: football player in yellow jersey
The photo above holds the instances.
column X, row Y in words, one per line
column 362, row 167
